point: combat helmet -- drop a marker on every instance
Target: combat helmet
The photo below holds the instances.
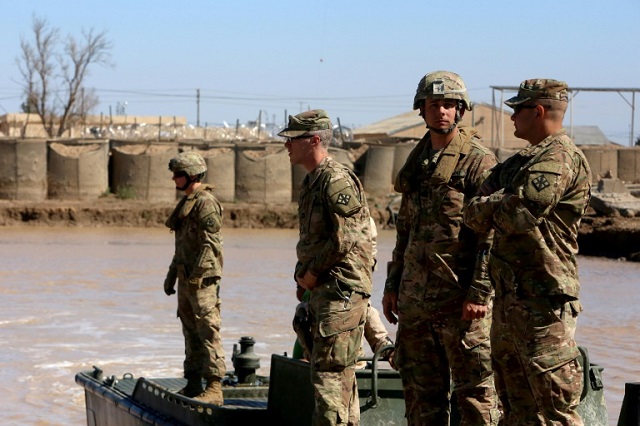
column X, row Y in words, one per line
column 442, row 85
column 190, row 163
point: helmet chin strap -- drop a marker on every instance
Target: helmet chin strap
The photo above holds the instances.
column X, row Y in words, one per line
column 186, row 185
column 188, row 182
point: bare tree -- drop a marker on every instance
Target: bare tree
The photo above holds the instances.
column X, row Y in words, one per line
column 53, row 79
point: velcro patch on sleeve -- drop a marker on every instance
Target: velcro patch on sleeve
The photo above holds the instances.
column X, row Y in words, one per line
column 343, row 197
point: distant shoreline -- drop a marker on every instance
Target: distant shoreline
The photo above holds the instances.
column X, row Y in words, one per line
column 604, row 236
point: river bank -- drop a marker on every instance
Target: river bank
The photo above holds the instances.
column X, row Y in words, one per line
column 610, row 236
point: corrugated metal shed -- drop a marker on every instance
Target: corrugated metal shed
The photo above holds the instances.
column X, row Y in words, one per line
column 588, row 135
column 411, row 126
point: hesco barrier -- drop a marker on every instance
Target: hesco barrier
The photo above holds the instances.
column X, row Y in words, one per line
column 341, row 156
column 263, row 173
column 23, row 169
column 402, row 151
column 141, row 170
column 78, row 169
column 34, row 169
column 602, row 161
column 378, row 170
column 629, row 165
column 221, row 170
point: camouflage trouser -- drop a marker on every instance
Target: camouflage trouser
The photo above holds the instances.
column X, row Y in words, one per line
column 338, row 318
column 199, row 312
column 538, row 376
column 431, row 352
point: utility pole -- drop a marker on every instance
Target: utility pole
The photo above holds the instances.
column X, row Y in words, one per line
column 197, row 107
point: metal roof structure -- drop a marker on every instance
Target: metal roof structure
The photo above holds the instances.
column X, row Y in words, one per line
column 498, row 125
column 589, row 135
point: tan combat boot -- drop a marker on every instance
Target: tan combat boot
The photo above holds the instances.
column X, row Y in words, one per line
column 193, row 387
column 212, row 393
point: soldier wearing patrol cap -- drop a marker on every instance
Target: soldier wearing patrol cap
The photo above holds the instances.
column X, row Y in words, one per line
column 197, row 265
column 534, row 201
column 334, row 263
column 437, row 288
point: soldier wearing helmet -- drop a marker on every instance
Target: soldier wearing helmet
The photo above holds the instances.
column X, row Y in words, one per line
column 197, row 266
column 442, row 85
column 189, row 165
column 536, row 200
column 437, row 288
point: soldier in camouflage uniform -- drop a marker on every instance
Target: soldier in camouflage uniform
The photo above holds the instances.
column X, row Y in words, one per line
column 437, row 288
column 197, row 265
column 334, row 262
column 375, row 333
column 534, row 201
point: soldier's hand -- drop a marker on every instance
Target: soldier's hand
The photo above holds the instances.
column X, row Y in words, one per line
column 308, row 281
column 471, row 311
column 390, row 307
column 170, row 282
column 391, row 360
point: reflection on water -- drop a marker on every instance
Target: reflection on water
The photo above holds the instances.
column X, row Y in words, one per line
column 74, row 298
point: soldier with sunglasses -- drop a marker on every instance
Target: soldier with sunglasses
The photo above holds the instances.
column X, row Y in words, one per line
column 534, row 202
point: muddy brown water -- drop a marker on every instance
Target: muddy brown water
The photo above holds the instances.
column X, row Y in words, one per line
column 74, row 298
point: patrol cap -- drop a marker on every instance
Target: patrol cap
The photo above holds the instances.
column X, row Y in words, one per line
column 308, row 121
column 539, row 88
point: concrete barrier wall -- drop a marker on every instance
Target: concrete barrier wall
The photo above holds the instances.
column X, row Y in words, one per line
column 23, row 169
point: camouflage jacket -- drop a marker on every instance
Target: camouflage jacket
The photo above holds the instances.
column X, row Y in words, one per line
column 196, row 221
column 534, row 201
column 335, row 234
column 429, row 225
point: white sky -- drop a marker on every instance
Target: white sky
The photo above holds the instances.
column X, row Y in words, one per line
column 359, row 60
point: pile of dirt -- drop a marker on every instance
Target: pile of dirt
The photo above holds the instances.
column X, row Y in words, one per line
column 608, row 236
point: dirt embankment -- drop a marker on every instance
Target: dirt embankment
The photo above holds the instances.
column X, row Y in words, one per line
column 608, row 236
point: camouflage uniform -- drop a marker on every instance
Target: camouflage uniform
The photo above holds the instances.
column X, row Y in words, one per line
column 197, row 262
column 435, row 267
column 334, row 245
column 534, row 201
column 375, row 333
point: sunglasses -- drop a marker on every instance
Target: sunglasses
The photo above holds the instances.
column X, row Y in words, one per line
column 518, row 108
column 299, row 138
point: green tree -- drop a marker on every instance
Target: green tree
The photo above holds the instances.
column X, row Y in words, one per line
column 54, row 71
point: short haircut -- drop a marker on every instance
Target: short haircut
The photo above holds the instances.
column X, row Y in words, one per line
column 325, row 136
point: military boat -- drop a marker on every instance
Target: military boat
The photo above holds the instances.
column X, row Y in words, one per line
column 285, row 397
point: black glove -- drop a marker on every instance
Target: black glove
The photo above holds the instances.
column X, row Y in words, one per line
column 170, row 282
